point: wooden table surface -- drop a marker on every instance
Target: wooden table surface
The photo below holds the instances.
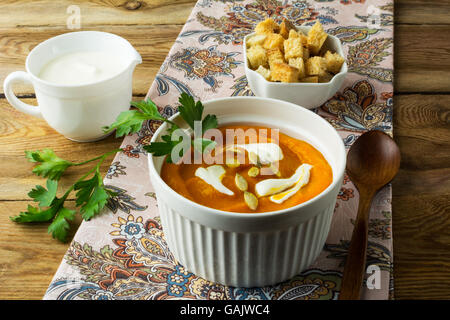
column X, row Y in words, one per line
column 421, row 192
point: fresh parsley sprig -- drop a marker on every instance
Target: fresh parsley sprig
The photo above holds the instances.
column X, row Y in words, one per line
column 131, row 121
column 90, row 193
column 191, row 112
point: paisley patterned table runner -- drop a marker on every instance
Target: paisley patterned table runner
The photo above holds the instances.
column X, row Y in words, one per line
column 122, row 254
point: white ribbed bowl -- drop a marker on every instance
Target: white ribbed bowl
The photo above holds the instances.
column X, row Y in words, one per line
column 252, row 249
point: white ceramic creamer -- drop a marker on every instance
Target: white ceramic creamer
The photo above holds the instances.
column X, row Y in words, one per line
column 82, row 80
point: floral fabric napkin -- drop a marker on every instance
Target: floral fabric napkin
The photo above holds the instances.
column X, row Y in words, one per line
column 122, row 253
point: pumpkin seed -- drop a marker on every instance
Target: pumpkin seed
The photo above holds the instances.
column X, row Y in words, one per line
column 253, row 172
column 275, row 170
column 251, row 200
column 241, row 183
column 254, row 159
column 232, row 163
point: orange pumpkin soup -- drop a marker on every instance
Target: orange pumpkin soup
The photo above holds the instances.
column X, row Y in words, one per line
column 185, row 179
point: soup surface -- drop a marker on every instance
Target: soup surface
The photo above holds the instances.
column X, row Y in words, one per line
column 194, row 183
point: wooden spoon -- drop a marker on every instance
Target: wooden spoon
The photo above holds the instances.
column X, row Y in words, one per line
column 372, row 161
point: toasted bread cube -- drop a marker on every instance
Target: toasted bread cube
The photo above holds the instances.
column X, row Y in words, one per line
column 266, row 27
column 299, row 34
column 316, row 38
column 334, row 61
column 316, row 66
column 326, row 77
column 256, row 56
column 306, row 54
column 293, row 34
column 283, row 72
column 264, row 72
column 299, row 64
column 313, row 79
column 255, row 40
column 275, row 55
column 293, row 48
column 274, row 41
column 285, row 28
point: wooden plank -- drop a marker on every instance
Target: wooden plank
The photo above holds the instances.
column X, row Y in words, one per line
column 152, row 42
column 421, row 62
column 25, row 13
column 422, row 130
column 20, row 132
column 132, row 12
column 421, row 197
column 421, row 58
column 422, row 11
column 421, row 246
column 29, row 257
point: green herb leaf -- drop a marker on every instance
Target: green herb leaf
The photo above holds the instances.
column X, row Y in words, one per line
column 51, row 166
column 34, row 214
column 189, row 110
column 149, row 108
column 210, row 122
column 127, row 122
column 91, row 196
column 164, row 147
column 60, row 226
column 44, row 196
column 203, row 145
column 131, row 121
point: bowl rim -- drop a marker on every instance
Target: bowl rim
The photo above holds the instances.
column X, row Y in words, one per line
column 261, row 215
column 341, row 73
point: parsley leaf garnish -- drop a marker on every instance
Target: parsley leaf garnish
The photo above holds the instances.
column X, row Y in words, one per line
column 60, row 225
column 51, row 166
column 210, row 122
column 44, row 196
column 131, row 121
column 91, row 195
column 190, row 110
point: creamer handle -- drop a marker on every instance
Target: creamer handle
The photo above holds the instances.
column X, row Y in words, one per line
column 19, row 76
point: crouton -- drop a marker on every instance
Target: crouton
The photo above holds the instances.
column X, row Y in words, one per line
column 285, row 28
column 316, row 38
column 283, row 72
column 313, row 79
column 256, row 56
column 275, row 55
column 257, row 39
column 326, row 77
column 266, row 27
column 306, row 54
column 299, row 64
column 315, row 66
column 334, row 61
column 264, row 72
column 293, row 34
column 274, row 41
column 293, row 48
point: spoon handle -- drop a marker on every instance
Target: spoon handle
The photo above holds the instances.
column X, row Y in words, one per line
column 356, row 257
